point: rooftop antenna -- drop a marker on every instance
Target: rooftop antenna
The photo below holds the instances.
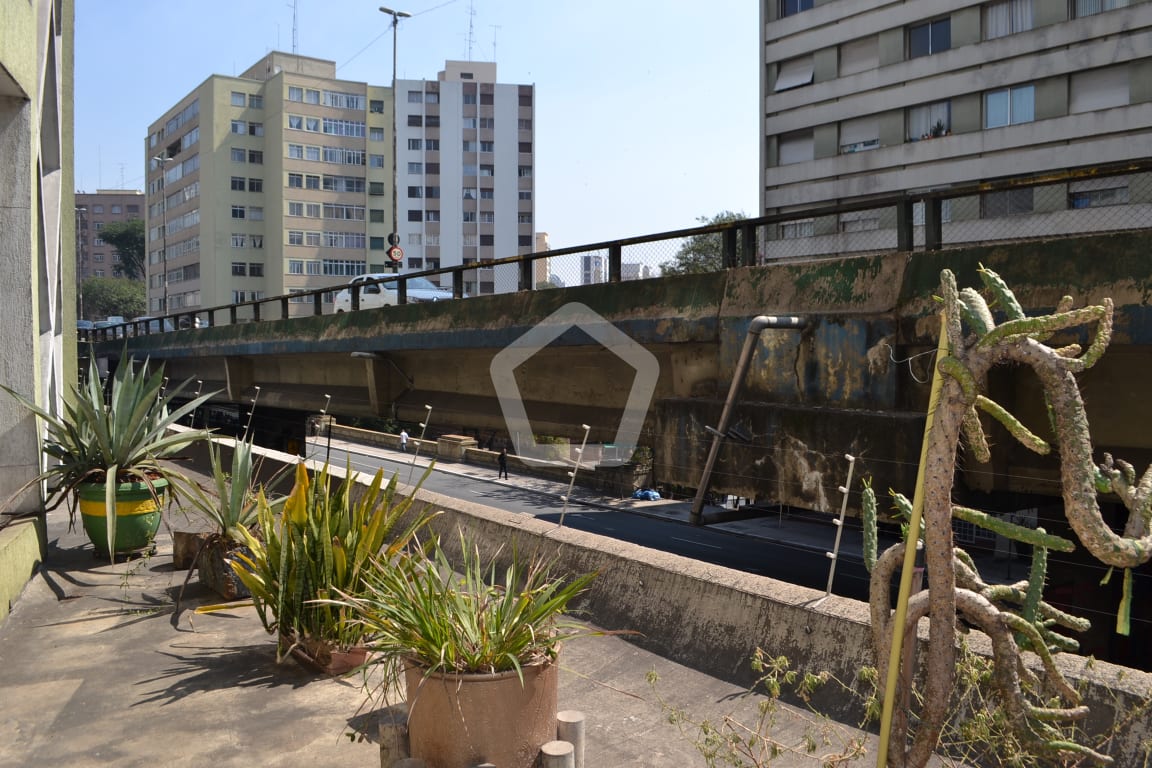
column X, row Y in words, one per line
column 495, row 28
column 122, row 176
column 471, row 20
column 295, row 29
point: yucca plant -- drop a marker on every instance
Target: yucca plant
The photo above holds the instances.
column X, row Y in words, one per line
column 123, row 440
column 319, row 546
column 416, row 608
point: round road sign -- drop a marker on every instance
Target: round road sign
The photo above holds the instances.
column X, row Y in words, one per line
column 396, row 253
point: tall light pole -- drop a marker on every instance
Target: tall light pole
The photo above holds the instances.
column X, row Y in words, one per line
column 394, row 237
column 82, row 272
column 162, row 161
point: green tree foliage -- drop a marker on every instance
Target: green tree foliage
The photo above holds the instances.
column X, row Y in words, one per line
column 127, row 237
column 104, row 296
column 701, row 253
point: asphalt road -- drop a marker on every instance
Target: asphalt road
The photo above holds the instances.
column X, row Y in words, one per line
column 775, row 559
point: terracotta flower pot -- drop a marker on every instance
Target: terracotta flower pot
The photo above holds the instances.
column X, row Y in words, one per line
column 457, row 721
column 217, row 574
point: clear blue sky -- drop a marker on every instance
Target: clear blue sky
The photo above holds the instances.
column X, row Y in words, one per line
column 645, row 111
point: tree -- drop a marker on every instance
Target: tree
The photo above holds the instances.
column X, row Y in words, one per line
column 104, row 296
column 127, row 237
column 701, row 253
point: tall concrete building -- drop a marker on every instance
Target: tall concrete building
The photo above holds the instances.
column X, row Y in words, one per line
column 275, row 181
column 466, row 163
column 95, row 210
column 864, row 98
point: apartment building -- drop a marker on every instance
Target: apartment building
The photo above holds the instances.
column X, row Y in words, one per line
column 273, row 182
column 465, row 153
column 95, row 210
column 867, row 98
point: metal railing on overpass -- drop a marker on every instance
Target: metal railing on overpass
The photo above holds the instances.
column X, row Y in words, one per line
column 1072, row 202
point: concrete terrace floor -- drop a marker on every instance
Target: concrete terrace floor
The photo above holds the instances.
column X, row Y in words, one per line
column 98, row 667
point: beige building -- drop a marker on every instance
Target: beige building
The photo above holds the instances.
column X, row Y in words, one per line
column 268, row 183
column 867, row 98
column 95, row 210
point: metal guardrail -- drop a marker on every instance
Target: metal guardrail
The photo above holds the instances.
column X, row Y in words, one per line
column 1072, row 202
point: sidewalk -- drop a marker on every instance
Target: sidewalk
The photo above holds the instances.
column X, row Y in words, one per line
column 98, row 667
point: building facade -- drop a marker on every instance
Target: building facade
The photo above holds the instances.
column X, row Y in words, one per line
column 265, row 184
column 867, row 98
column 95, row 210
column 465, row 173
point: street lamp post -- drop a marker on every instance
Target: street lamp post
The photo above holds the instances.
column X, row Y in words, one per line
column 162, row 161
column 394, row 237
column 83, row 271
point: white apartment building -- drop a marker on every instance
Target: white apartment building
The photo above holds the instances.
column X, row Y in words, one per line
column 465, row 183
column 867, row 98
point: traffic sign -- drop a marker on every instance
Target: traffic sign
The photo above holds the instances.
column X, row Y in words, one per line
column 396, row 253
column 393, row 239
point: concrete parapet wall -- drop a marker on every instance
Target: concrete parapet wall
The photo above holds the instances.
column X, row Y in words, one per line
column 22, row 545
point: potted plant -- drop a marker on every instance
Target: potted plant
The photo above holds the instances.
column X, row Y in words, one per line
column 477, row 650
column 108, row 458
column 315, row 548
column 229, row 507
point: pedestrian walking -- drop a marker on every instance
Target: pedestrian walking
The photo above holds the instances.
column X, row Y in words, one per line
column 502, row 464
column 404, row 440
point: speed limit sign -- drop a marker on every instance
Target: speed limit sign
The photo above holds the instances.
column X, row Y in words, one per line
column 396, row 253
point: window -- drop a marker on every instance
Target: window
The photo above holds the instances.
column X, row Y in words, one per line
column 255, row 185
column 312, row 181
column 255, row 101
column 490, row 146
column 860, row 55
column 255, row 213
column 376, row 106
column 415, row 214
column 795, row 147
column 1009, row 106
column 859, row 221
column 469, row 217
column 238, row 240
column 312, row 210
column 432, row 97
column 238, row 183
column 432, row 192
column 256, row 241
column 415, row 121
column 792, row 7
column 237, row 211
column 469, row 98
column 469, row 146
column 295, row 93
column 523, row 218
column 523, row 124
column 1094, row 193
column 525, row 99
column 117, row 209
column 376, row 215
column 488, row 217
column 524, row 241
column 415, row 97
column 794, row 73
column 312, row 124
column 432, row 215
column 415, row 263
column 312, row 238
column 469, row 169
column 432, row 145
column 792, row 230
column 525, row 194
column 933, row 37
column 490, row 170
column 523, row 171
column 312, row 153
column 296, row 151
column 432, row 169
column 415, row 169
column 375, row 161
column 239, row 269
column 1008, row 202
column 415, row 144
column 296, row 122
column 929, row 121
column 1092, row 7
column 469, row 123
column 1098, row 89
column 487, row 239
column 296, row 181
column 239, row 126
column 375, row 187
column 859, row 135
column 256, row 156
column 415, row 192
column 376, row 134
column 487, row 194
column 1007, row 17
column 255, row 269
column 918, row 212
column 469, row 193
column 311, row 96
column 295, row 209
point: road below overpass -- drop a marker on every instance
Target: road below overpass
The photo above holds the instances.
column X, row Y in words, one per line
column 754, row 546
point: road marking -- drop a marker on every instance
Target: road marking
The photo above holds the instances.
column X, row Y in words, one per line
column 697, row 543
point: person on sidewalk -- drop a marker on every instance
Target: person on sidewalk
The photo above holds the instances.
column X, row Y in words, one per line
column 502, row 464
column 404, row 440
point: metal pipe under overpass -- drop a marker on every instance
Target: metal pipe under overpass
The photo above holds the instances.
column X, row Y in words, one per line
column 759, row 323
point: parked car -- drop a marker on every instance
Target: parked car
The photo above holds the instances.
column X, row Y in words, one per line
column 420, row 290
column 149, row 324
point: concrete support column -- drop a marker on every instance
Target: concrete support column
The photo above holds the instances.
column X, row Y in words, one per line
column 904, row 239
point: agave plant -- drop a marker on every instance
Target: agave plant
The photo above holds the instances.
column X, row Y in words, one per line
column 229, row 504
column 320, row 545
column 123, row 440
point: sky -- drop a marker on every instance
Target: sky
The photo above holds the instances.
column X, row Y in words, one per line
column 645, row 112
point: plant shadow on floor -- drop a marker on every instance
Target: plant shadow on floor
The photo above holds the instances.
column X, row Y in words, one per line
column 205, row 669
column 365, row 724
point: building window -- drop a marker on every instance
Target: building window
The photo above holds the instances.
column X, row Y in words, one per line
column 117, row 209
column 488, row 217
column 255, row 101
column 432, row 192
column 930, row 121
column 239, row 269
column 375, row 161
column 238, row 240
column 1007, row 17
column 376, row 134
column 1009, row 106
column 792, row 230
column 415, row 97
column 490, row 170
column 255, row 213
column 432, row 145
column 415, row 144
column 296, row 151
column 415, row 192
column 375, row 243
column 256, row 156
column 1092, row 7
column 415, row 169
column 432, row 169
column 295, row 93
column 859, row 135
column 524, row 194
column 238, row 183
column 795, row 147
column 487, row 239
column 312, row 181
column 415, row 238
column 415, row 263
column 376, row 106
column 376, row 215
column 415, row 214
column 793, row 73
column 469, row 169
column 1102, row 88
column 524, row 241
column 469, row 146
column 523, row 124
column 469, row 193
column 523, row 218
column 432, row 97
column 415, row 121
column 255, row 185
column 296, row 181
column 312, row 153
column 296, row 122
column 375, row 187
column 469, row 217
column 239, row 126
column 256, row 241
column 255, row 269
column 311, row 96
column 523, row 171
column 295, row 208
column 469, row 98
column 918, row 212
column 933, row 37
column 487, row 194
column 432, row 215
column 859, row 221
column 238, row 211
column 792, row 7
column 1095, row 193
column 1008, row 202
